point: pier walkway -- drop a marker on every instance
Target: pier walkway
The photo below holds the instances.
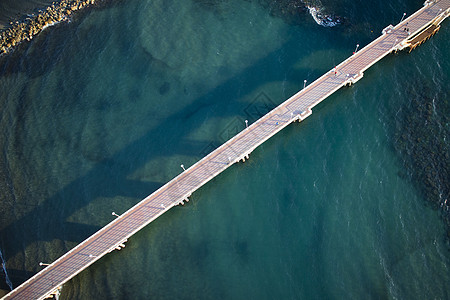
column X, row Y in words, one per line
column 420, row 25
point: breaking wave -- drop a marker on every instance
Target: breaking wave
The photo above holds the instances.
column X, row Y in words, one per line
column 322, row 19
column 8, row 281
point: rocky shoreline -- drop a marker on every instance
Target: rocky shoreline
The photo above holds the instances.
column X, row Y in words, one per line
column 29, row 27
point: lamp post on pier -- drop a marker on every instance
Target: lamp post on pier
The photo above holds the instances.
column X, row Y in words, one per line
column 304, row 83
column 404, row 14
column 182, row 166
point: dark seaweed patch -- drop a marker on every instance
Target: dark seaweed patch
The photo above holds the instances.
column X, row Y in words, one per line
column 422, row 139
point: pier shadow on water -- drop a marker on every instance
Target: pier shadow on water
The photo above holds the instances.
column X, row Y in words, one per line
column 109, row 177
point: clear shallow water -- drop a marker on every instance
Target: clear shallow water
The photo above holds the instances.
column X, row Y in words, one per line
column 100, row 112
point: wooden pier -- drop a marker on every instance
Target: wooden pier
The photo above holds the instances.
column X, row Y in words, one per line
column 408, row 34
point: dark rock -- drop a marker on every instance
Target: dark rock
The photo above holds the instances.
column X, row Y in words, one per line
column 164, row 88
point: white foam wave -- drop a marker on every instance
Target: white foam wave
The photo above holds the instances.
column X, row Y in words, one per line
column 323, row 19
column 50, row 25
column 8, row 281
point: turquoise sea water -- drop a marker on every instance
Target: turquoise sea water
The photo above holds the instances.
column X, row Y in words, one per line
column 100, row 112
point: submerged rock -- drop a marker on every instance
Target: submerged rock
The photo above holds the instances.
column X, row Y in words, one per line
column 164, row 88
